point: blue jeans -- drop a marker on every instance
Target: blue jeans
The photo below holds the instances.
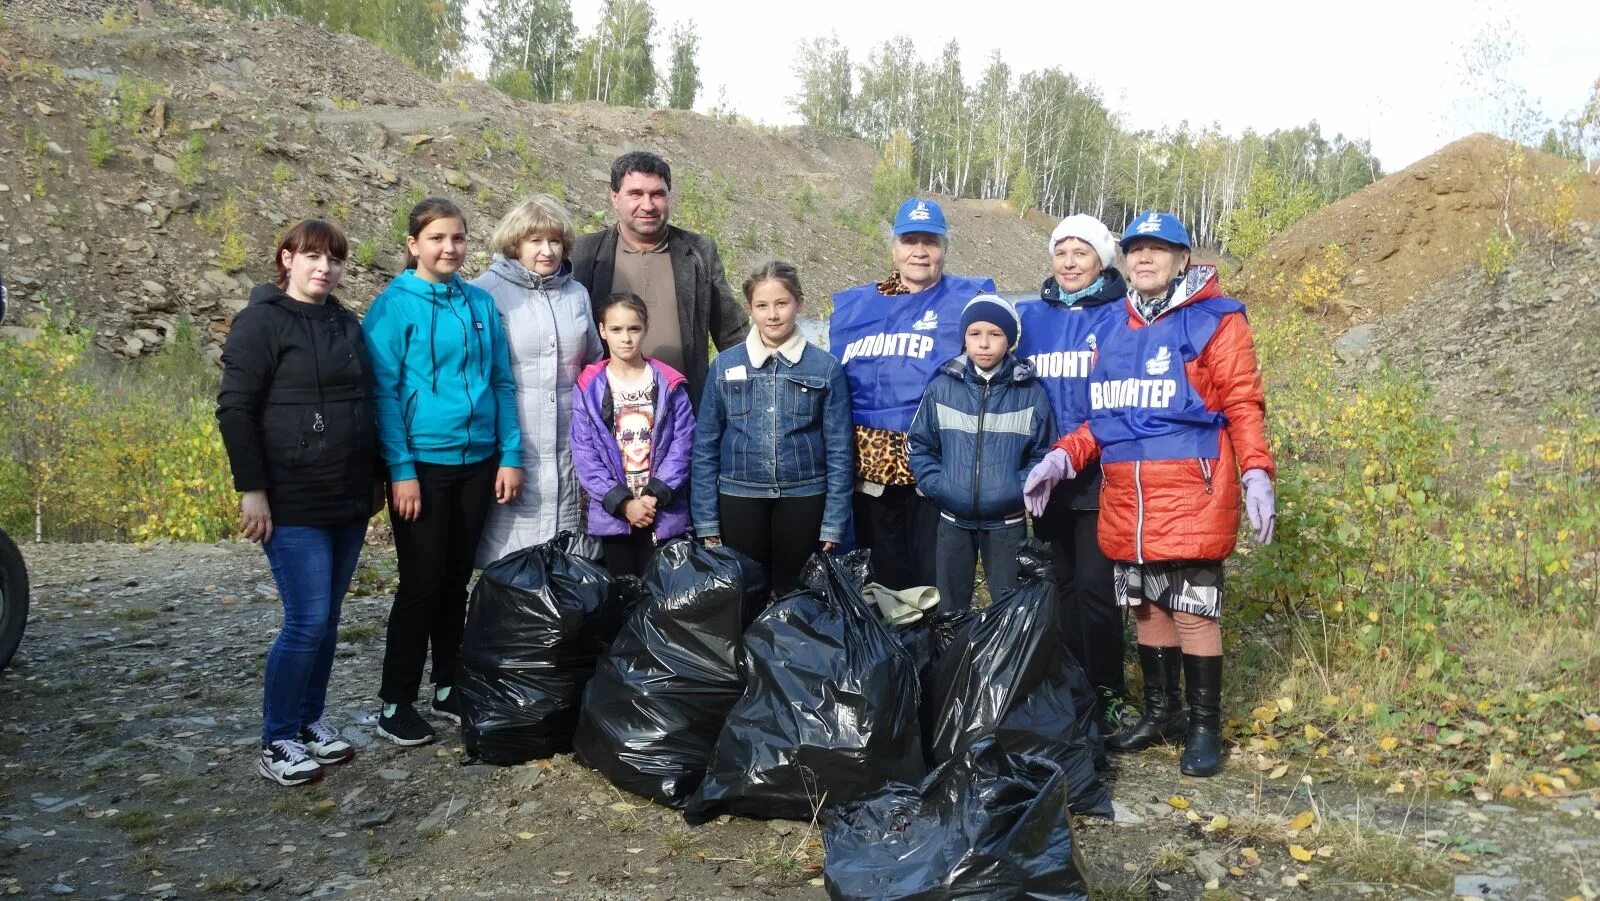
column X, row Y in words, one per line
column 312, row 566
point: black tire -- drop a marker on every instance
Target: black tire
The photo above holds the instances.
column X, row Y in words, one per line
column 13, row 598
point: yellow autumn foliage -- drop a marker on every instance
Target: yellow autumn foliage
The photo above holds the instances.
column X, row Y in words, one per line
column 91, row 454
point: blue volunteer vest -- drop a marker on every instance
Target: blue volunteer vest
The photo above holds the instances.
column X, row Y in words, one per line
column 1059, row 342
column 1142, row 406
column 892, row 346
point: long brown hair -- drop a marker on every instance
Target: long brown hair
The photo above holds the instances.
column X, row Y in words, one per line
column 310, row 236
column 424, row 214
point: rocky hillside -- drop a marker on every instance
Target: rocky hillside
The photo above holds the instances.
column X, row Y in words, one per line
column 151, row 152
column 1414, row 291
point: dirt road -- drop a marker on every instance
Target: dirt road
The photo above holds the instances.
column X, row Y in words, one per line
column 129, row 722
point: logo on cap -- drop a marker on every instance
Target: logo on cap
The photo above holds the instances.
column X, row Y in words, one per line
column 920, row 214
column 1151, row 223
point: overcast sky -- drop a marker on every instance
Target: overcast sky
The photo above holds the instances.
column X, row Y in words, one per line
column 1389, row 70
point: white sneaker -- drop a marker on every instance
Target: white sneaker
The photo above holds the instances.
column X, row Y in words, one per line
column 286, row 763
column 324, row 745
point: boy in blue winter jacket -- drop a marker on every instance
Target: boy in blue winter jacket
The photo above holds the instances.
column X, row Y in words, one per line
column 983, row 424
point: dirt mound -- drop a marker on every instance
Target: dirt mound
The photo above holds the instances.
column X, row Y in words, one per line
column 149, row 159
column 1405, row 233
column 1498, row 352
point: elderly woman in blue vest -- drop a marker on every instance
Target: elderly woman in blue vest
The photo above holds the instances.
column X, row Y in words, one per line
column 1178, row 418
column 1060, row 333
column 891, row 337
column 552, row 337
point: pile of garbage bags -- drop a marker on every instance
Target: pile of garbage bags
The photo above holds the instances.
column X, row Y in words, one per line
column 658, row 699
column 687, row 689
column 829, row 710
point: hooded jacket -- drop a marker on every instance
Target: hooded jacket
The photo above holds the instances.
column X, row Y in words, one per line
column 599, row 459
column 1058, row 340
column 973, row 442
column 442, row 381
column 551, row 337
column 295, row 409
column 1177, row 411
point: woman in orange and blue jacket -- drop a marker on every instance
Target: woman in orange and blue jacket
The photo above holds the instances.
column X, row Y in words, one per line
column 1176, row 409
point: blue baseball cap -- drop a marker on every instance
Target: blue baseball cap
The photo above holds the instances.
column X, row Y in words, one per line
column 1161, row 226
column 918, row 215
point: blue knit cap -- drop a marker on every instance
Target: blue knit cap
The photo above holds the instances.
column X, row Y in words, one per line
column 994, row 309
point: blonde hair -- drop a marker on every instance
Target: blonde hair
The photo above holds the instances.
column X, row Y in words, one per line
column 540, row 214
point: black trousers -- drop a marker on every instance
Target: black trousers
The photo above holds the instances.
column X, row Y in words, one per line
column 1090, row 617
column 901, row 528
column 630, row 554
column 957, row 567
column 780, row 533
column 434, row 554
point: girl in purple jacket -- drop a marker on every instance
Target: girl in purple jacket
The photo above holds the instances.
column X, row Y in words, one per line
column 632, row 433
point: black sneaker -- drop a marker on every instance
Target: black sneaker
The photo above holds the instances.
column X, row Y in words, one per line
column 324, row 745
column 406, row 727
column 449, row 708
column 287, row 763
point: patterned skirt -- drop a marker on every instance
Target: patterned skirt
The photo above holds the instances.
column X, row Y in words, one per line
column 1186, row 586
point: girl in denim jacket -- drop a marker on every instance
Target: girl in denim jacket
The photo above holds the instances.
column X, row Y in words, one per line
column 772, row 464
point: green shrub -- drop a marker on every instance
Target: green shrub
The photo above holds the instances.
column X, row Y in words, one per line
column 1428, row 606
column 100, row 146
column 129, row 455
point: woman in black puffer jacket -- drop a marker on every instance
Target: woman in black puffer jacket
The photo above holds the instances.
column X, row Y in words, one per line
column 295, row 410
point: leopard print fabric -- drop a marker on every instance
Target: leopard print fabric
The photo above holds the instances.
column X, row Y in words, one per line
column 881, row 455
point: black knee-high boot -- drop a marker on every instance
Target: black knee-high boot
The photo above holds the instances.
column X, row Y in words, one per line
column 1162, row 720
column 1202, row 747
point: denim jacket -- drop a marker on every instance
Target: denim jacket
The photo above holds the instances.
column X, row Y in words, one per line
column 781, row 430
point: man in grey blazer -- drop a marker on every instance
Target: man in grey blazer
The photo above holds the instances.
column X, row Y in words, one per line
column 677, row 272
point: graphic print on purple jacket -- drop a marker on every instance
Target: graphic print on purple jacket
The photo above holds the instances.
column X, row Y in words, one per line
column 598, row 459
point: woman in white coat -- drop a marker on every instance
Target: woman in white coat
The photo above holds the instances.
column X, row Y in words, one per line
column 552, row 336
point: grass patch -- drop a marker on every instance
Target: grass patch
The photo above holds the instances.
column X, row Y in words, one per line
column 136, row 818
column 151, row 674
column 1376, row 857
column 356, row 633
column 148, row 860
column 680, row 841
column 137, row 614
column 236, row 884
column 173, row 786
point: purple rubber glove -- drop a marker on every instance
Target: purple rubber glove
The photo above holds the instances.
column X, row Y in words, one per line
column 1260, row 503
column 1055, row 467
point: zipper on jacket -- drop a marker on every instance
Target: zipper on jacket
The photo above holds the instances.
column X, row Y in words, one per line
column 1205, row 472
column 466, row 357
column 977, row 454
column 1138, row 527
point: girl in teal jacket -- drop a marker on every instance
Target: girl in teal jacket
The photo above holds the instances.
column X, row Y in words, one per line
column 446, row 406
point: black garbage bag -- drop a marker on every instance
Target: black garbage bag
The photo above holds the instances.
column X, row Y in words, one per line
column 925, row 640
column 986, row 825
column 537, row 620
column 829, row 709
column 658, row 698
column 1009, row 674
